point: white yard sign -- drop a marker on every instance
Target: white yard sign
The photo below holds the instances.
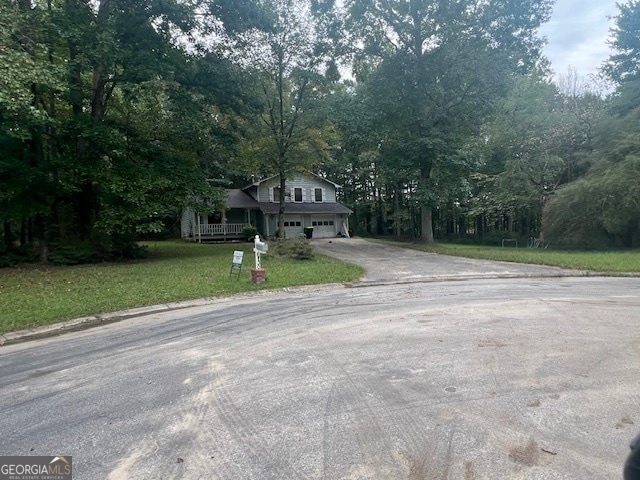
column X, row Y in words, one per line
column 236, row 264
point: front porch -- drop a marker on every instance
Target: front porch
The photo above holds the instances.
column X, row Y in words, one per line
column 218, row 226
column 203, row 232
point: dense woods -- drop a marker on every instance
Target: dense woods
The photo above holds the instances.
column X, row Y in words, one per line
column 439, row 119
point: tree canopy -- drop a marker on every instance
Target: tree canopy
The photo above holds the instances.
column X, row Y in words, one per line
column 600, row 207
column 107, row 124
column 438, row 118
column 434, row 70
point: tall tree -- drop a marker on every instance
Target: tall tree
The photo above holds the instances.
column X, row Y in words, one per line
column 443, row 63
column 105, row 115
column 523, row 146
column 623, row 66
column 601, row 208
column 31, row 79
column 291, row 60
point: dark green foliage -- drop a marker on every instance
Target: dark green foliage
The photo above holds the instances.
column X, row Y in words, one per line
column 249, row 232
column 87, row 252
column 106, row 124
column 112, row 248
column 74, row 254
column 292, row 64
column 242, row 15
column 438, row 68
column 602, row 208
column 10, row 257
column 624, row 65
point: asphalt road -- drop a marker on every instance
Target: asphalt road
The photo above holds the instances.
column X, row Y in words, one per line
column 496, row 378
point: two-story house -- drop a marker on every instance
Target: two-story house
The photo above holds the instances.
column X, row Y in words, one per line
column 310, row 201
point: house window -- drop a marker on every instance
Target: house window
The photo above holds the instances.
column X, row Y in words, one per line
column 276, row 194
column 318, row 194
column 297, row 194
column 213, row 218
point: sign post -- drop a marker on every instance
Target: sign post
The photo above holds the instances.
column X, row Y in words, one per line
column 258, row 274
column 236, row 264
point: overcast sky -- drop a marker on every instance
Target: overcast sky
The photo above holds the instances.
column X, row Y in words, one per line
column 577, row 35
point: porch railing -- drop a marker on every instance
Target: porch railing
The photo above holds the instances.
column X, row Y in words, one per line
column 217, row 229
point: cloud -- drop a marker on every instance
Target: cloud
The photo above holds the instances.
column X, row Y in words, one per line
column 577, row 35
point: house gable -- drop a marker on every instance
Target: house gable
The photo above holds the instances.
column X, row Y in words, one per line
column 299, row 189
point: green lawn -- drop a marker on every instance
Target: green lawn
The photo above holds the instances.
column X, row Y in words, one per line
column 38, row 295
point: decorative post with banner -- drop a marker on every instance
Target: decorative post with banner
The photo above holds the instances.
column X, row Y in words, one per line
column 258, row 274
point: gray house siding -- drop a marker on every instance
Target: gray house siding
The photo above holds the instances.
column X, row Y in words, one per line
column 307, row 185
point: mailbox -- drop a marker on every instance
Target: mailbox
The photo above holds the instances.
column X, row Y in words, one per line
column 261, row 247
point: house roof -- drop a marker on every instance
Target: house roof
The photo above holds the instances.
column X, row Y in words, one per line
column 300, row 208
column 239, row 199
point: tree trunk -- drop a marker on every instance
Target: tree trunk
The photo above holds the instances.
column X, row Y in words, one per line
column 426, row 221
column 283, row 181
column 8, row 235
column 397, row 215
column 86, row 201
column 426, row 215
column 24, row 233
column 380, row 230
column 44, row 243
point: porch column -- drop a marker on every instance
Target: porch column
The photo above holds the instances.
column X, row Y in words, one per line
column 224, row 224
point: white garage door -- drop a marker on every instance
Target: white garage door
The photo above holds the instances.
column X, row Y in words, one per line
column 292, row 226
column 324, row 226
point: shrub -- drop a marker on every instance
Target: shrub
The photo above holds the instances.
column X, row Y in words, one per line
column 249, row 232
column 299, row 248
column 75, row 252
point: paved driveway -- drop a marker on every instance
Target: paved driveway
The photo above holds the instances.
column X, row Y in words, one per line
column 389, row 264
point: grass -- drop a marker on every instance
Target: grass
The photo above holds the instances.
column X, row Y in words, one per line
column 36, row 295
column 39, row 295
column 609, row 262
